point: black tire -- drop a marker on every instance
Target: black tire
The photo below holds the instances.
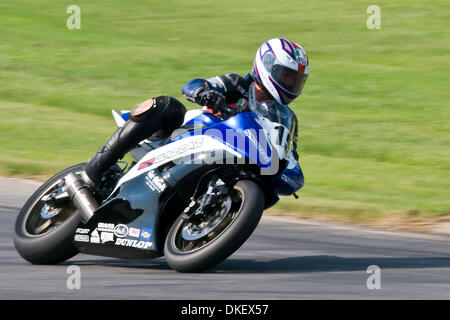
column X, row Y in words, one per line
column 231, row 238
column 54, row 245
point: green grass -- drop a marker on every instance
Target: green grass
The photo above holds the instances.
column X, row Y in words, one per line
column 374, row 115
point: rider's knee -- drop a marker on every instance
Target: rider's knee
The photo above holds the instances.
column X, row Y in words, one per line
column 164, row 111
column 157, row 106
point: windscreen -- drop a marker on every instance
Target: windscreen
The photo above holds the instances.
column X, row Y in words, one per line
column 282, row 119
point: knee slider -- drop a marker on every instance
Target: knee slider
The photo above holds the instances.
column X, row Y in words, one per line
column 143, row 110
column 165, row 106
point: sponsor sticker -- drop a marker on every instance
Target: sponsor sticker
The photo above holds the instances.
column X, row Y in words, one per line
column 133, row 232
column 261, row 151
column 121, row 230
column 146, row 164
column 173, row 153
column 133, row 243
column 82, row 231
column 154, row 182
column 95, row 237
column 105, row 226
column 107, row 236
column 299, row 57
column 81, row 238
column 146, row 234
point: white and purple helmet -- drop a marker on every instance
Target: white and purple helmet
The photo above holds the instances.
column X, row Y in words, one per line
column 281, row 67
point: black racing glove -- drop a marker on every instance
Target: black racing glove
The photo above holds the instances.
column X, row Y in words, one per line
column 212, row 99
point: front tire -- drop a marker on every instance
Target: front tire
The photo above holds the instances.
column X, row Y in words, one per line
column 217, row 245
column 47, row 241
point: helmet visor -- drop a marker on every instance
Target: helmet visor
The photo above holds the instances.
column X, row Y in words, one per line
column 291, row 80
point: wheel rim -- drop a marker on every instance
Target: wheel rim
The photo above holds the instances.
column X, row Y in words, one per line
column 34, row 225
column 189, row 238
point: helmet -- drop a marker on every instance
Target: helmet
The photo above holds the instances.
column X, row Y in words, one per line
column 281, row 67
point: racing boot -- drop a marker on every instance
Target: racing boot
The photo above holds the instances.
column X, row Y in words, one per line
column 162, row 114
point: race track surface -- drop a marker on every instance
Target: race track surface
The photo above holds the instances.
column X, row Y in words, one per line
column 283, row 259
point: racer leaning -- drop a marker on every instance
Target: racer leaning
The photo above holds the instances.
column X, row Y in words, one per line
column 279, row 72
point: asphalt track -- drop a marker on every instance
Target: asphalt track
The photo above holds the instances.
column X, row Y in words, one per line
column 283, row 259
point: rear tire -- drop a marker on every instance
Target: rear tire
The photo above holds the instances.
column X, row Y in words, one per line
column 54, row 243
column 233, row 235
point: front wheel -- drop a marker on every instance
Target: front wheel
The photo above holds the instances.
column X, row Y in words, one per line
column 197, row 246
column 44, row 232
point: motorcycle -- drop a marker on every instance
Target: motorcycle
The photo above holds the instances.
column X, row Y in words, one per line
column 193, row 198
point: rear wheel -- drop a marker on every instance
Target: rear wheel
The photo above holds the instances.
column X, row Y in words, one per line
column 197, row 245
column 44, row 232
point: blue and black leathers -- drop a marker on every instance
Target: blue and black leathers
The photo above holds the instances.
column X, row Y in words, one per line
column 162, row 115
column 232, row 88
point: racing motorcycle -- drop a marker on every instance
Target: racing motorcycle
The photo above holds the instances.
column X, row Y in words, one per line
column 194, row 197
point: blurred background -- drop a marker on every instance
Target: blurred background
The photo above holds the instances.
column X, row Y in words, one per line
column 374, row 115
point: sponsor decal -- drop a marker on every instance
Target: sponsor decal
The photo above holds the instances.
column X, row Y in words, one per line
column 285, row 178
column 133, row 232
column 95, row 237
column 107, row 237
column 146, row 234
column 146, row 164
column 172, row 153
column 81, row 238
column 262, row 153
column 133, row 243
column 82, row 231
column 154, row 182
column 299, row 57
column 121, row 230
column 105, row 226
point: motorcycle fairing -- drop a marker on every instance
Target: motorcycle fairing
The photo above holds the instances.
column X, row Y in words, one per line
column 179, row 150
column 242, row 132
column 136, row 202
column 136, row 206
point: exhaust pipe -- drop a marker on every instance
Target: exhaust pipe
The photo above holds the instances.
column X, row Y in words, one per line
column 81, row 196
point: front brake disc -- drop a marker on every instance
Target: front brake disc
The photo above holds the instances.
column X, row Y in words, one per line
column 193, row 231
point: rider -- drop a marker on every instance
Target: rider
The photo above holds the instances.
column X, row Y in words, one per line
column 280, row 70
